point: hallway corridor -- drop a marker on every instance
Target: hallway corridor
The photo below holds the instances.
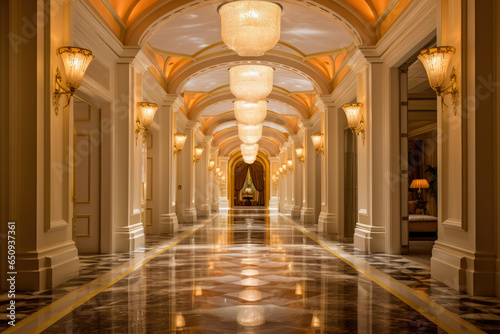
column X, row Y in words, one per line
column 245, row 272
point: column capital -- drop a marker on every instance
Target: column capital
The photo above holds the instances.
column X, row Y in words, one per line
column 191, row 124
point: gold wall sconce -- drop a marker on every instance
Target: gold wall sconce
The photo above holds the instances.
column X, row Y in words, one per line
column 278, row 173
column 317, row 140
column 198, row 151
column 219, row 173
column 179, row 141
column 211, row 164
column 145, row 114
column 281, row 170
column 290, row 164
column 223, row 179
column 299, row 151
column 284, row 168
column 436, row 61
column 355, row 118
column 75, row 60
column 217, row 170
column 275, row 179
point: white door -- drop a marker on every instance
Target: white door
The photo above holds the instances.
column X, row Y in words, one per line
column 87, row 172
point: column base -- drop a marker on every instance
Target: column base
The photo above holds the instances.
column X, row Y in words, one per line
column 273, row 203
column 189, row 215
column 296, row 210
column 215, row 206
column 47, row 268
column 203, row 210
column 223, row 203
column 129, row 238
column 328, row 223
column 369, row 238
column 288, row 209
column 169, row 223
column 463, row 269
column 307, row 216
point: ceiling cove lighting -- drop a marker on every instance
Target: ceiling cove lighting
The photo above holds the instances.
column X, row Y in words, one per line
column 249, row 134
column 355, row 119
column 251, row 83
column 145, row 114
column 75, row 60
column 250, row 28
column 436, row 62
column 249, row 112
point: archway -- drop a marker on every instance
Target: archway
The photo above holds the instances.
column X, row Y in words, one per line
column 252, row 178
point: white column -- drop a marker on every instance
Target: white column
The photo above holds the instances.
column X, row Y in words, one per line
column 373, row 160
column 126, row 182
column 186, row 178
column 331, row 180
column 202, row 195
column 215, row 183
column 168, row 182
column 289, row 179
column 274, row 202
column 223, row 187
column 298, row 183
column 307, row 214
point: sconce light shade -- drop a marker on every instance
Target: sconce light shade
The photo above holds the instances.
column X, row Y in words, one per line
column 290, row 164
column 211, row 164
column 317, row 140
column 436, row 61
column 249, row 134
column 316, row 321
column 280, row 170
column 217, row 170
column 275, row 179
column 145, row 114
column 179, row 141
column 75, row 60
column 180, row 322
column 249, row 112
column 299, row 151
column 251, row 83
column 198, row 151
column 284, row 167
column 223, row 179
column 250, row 28
column 355, row 118
column 219, row 173
column 249, row 149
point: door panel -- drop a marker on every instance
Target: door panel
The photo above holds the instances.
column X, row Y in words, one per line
column 87, row 202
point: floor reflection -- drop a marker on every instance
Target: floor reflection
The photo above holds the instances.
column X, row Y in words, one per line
column 245, row 272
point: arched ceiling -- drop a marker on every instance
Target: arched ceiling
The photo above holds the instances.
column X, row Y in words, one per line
column 183, row 41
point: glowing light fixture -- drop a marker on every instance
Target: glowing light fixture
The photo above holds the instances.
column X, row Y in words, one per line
column 290, row 164
column 198, row 291
column 249, row 159
column 317, row 140
column 179, row 141
column 275, row 179
column 278, row 173
column 316, row 321
column 219, row 174
column 251, row 316
column 249, row 150
column 217, row 170
column 249, row 112
column 198, row 151
column 281, row 170
column 75, row 60
column 179, row 320
column 299, row 151
column 250, row 295
column 355, row 118
column 250, row 28
column 211, row 164
column 419, row 184
column 251, row 83
column 249, row 134
column 298, row 289
column 284, row 167
column 145, row 114
column 436, row 62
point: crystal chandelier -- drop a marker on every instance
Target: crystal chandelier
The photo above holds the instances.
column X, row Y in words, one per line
column 249, row 159
column 251, row 83
column 250, row 28
column 250, row 113
column 249, row 134
column 249, row 150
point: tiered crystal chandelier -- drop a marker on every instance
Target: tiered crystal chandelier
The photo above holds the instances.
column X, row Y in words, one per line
column 251, row 83
column 250, row 113
column 249, row 134
column 250, row 27
column 249, row 149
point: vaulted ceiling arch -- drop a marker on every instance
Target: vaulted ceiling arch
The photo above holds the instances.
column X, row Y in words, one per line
column 232, row 134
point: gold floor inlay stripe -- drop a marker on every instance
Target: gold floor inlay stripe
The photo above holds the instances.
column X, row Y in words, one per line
column 47, row 316
column 462, row 325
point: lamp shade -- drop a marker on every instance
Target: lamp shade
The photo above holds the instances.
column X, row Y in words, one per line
column 419, row 183
column 179, row 320
column 146, row 113
column 251, row 83
column 290, row 163
column 436, row 61
column 217, row 170
column 353, row 114
column 280, row 170
column 179, row 141
column 250, row 28
column 317, row 140
column 249, row 134
column 249, row 112
column 198, row 151
column 211, row 164
column 299, row 151
column 249, row 149
column 75, row 60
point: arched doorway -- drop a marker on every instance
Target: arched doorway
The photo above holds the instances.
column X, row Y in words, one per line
column 249, row 184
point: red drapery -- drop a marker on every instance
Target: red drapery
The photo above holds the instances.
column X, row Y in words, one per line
column 257, row 175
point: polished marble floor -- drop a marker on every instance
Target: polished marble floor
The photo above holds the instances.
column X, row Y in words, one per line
column 245, row 272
